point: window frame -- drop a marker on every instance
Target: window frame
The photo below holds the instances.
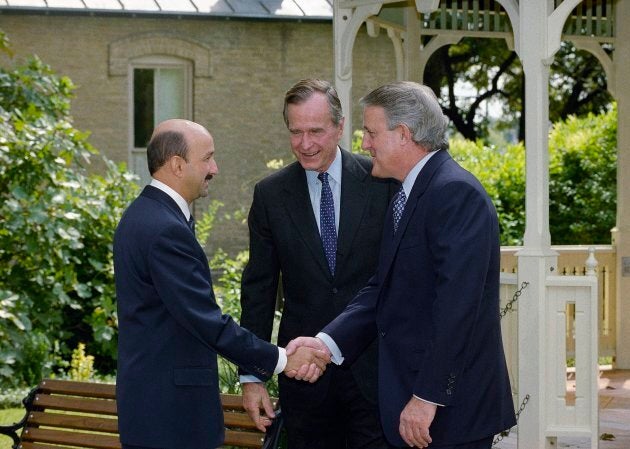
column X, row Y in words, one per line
column 156, row 62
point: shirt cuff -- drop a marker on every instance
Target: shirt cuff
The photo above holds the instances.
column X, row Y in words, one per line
column 335, row 352
column 428, row 402
column 248, row 378
column 282, row 360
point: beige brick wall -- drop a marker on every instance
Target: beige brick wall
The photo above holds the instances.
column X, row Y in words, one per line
column 252, row 64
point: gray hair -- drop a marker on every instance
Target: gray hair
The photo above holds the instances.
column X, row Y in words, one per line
column 302, row 91
column 414, row 105
column 164, row 146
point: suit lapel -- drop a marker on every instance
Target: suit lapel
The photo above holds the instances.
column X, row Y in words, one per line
column 419, row 187
column 299, row 208
column 354, row 198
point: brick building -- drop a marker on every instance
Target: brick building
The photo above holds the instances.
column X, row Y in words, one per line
column 223, row 63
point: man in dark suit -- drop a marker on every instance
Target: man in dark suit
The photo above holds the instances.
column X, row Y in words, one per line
column 170, row 327
column 434, row 300
column 287, row 223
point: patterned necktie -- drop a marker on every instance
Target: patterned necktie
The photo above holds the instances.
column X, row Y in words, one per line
column 327, row 227
column 399, row 206
column 191, row 223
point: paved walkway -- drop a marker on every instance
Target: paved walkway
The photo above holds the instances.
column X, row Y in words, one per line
column 614, row 415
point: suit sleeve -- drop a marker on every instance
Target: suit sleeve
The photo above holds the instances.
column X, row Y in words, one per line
column 461, row 234
column 182, row 279
column 355, row 328
column 259, row 284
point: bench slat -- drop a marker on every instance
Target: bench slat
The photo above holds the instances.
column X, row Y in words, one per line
column 75, row 388
column 84, row 440
column 238, row 420
column 235, row 402
column 243, row 439
column 94, row 407
column 72, row 404
column 78, row 422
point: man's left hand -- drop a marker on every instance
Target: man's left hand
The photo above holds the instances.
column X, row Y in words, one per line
column 415, row 420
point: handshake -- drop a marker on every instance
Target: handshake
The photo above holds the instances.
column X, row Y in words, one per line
column 307, row 358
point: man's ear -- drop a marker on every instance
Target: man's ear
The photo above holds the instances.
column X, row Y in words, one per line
column 176, row 165
column 405, row 134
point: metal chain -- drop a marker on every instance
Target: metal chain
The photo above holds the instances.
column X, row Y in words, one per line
column 509, row 308
column 504, row 434
column 517, row 293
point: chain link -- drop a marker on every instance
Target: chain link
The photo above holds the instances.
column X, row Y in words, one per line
column 509, row 308
column 504, row 434
column 510, row 304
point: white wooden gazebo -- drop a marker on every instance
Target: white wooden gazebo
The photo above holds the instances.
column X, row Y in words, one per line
column 535, row 29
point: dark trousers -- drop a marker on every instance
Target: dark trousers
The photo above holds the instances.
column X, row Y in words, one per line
column 485, row 443
column 345, row 419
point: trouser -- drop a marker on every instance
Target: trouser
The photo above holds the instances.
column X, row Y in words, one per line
column 345, row 419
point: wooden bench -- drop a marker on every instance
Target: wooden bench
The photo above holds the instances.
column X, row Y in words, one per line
column 83, row 415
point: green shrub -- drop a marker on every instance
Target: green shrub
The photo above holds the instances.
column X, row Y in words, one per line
column 56, row 271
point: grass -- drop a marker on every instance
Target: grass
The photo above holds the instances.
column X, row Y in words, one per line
column 7, row 417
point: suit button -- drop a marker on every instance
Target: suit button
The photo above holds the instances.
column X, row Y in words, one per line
column 334, row 290
column 383, row 334
column 449, row 391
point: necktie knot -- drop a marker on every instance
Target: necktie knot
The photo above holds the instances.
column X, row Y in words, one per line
column 327, row 228
column 399, row 207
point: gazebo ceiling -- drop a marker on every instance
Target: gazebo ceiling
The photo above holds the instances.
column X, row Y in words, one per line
column 591, row 18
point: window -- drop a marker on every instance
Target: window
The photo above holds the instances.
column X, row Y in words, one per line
column 161, row 88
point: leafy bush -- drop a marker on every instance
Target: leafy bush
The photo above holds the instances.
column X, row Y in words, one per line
column 583, row 179
column 502, row 173
column 56, row 271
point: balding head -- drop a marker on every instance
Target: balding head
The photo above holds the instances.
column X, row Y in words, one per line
column 181, row 155
column 171, row 138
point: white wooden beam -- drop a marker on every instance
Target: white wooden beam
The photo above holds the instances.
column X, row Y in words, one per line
column 346, row 24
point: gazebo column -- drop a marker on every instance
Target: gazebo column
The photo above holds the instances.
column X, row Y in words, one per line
column 536, row 260
column 411, row 46
column 347, row 20
column 622, row 235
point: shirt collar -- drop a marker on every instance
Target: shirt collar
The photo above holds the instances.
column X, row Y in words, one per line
column 411, row 177
column 181, row 202
column 334, row 171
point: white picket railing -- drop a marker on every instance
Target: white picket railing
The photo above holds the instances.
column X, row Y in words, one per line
column 571, row 320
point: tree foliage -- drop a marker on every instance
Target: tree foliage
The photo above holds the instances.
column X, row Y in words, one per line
column 583, row 179
column 56, row 271
column 492, row 72
column 582, row 184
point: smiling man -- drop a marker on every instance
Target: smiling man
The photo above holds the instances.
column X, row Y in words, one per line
column 433, row 303
column 315, row 222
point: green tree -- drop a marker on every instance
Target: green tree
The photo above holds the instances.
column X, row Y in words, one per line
column 493, row 72
column 56, row 271
column 583, row 179
column 582, row 184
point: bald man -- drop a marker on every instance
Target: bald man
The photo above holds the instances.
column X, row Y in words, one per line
column 170, row 326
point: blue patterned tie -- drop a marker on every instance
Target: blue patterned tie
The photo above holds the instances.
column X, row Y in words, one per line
column 327, row 227
column 191, row 223
column 399, row 207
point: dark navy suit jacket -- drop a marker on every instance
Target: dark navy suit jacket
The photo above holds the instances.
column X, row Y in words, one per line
column 434, row 305
column 170, row 331
column 284, row 238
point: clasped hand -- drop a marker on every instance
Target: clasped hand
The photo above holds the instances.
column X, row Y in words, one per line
column 307, row 358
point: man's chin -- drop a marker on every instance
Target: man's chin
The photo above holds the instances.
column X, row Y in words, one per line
column 377, row 173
